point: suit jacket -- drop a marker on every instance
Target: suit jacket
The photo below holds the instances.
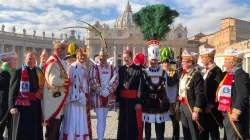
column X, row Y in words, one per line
column 240, row 92
column 212, row 82
column 240, row 99
column 195, row 93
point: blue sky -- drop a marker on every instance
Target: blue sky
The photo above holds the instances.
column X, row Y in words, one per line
column 52, row 15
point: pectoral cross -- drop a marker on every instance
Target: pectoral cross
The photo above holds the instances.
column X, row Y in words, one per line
column 126, row 84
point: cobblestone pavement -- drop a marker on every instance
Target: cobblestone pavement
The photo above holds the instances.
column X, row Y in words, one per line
column 112, row 123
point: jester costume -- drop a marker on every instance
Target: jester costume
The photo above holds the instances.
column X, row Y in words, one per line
column 25, row 94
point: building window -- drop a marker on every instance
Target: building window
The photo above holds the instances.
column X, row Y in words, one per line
column 179, row 35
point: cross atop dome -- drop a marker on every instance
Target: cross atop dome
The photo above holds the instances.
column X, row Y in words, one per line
column 128, row 7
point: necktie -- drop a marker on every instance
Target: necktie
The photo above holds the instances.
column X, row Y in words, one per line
column 184, row 72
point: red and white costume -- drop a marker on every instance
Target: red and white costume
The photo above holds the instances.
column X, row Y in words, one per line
column 76, row 123
column 103, row 83
column 56, row 80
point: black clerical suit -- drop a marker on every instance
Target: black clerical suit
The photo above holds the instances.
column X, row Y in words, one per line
column 26, row 126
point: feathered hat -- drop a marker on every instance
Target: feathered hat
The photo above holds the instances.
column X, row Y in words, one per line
column 72, row 50
column 167, row 55
column 94, row 30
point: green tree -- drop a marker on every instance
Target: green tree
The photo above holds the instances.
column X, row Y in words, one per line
column 154, row 21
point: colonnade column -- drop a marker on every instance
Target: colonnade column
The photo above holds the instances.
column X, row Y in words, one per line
column 22, row 52
column 115, row 56
column 2, row 48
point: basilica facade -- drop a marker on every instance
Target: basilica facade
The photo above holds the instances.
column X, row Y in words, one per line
column 125, row 35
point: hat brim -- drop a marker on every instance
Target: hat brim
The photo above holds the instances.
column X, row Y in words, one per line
column 168, row 61
column 70, row 56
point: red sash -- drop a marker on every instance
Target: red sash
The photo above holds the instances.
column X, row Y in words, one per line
column 66, row 88
column 128, row 93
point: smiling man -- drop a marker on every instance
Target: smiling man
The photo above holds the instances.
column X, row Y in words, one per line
column 232, row 96
column 103, row 82
column 192, row 98
column 25, row 94
column 55, row 89
column 212, row 77
column 128, row 98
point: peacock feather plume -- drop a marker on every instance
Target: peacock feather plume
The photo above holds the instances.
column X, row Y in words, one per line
column 92, row 29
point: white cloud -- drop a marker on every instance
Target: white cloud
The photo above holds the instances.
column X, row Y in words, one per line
column 205, row 16
column 50, row 16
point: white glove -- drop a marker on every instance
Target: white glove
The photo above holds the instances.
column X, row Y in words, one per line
column 105, row 93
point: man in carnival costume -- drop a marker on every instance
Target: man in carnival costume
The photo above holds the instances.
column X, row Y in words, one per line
column 77, row 123
column 128, row 98
column 192, row 98
column 43, row 59
column 55, row 89
column 154, row 29
column 232, row 96
column 103, row 83
column 8, row 66
column 212, row 77
column 166, row 60
column 156, row 104
column 25, row 94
